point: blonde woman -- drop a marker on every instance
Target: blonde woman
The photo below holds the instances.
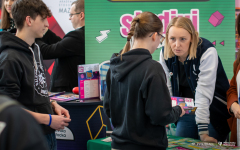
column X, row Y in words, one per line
column 194, row 70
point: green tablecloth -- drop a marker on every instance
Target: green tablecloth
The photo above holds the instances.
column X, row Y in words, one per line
column 174, row 142
column 98, row 144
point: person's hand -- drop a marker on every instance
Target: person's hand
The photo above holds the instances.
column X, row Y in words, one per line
column 59, row 110
column 236, row 109
column 183, row 111
column 59, row 122
column 206, row 138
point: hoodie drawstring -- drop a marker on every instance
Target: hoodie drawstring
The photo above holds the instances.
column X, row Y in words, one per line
column 34, row 59
column 41, row 66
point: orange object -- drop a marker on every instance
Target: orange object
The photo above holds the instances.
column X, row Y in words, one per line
column 232, row 96
column 75, row 90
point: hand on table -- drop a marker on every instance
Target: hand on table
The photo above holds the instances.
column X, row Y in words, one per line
column 206, row 138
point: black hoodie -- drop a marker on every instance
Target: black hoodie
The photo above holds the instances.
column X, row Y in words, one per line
column 139, row 103
column 22, row 76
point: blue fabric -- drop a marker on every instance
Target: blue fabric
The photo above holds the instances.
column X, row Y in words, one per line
column 51, row 140
column 187, row 127
column 50, row 121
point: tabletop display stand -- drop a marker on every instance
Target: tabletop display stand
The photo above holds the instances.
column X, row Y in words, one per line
column 87, row 122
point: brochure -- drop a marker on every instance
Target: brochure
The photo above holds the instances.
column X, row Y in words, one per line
column 51, row 94
column 65, row 97
column 186, row 103
column 88, row 81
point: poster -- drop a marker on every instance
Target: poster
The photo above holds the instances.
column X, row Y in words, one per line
column 108, row 22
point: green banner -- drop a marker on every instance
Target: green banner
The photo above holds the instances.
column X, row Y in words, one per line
column 108, row 22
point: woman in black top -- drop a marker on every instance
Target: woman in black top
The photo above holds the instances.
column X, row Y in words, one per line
column 7, row 22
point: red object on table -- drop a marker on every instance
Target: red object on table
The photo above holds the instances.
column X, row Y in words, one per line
column 75, row 90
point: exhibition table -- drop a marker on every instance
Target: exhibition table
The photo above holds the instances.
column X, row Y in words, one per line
column 87, row 122
column 174, row 142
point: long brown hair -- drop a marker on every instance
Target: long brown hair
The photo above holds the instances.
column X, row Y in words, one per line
column 238, row 31
column 141, row 26
column 5, row 23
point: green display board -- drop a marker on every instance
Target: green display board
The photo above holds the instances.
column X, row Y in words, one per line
column 108, row 21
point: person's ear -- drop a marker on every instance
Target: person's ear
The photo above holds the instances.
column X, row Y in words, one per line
column 81, row 16
column 154, row 36
column 28, row 20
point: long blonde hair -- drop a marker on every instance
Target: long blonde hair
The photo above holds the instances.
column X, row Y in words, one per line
column 141, row 26
column 185, row 23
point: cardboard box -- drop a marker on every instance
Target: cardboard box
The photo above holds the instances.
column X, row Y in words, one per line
column 88, row 81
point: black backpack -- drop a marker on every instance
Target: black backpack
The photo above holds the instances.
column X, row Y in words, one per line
column 6, row 102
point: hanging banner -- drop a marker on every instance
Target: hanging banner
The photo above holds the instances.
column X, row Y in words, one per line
column 59, row 23
column 108, row 22
column 60, row 10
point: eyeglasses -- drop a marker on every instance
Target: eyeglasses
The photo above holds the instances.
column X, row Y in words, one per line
column 162, row 37
column 70, row 15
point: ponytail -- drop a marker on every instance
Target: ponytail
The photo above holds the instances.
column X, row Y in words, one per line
column 130, row 34
column 141, row 26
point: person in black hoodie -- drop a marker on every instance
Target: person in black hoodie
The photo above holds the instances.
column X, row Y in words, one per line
column 10, row 113
column 137, row 98
column 22, row 75
column 68, row 52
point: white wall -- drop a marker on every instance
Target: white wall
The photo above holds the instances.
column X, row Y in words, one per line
column 60, row 10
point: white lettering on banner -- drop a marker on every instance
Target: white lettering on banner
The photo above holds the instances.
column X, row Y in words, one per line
column 65, row 5
column 165, row 17
column 64, row 10
column 64, row 134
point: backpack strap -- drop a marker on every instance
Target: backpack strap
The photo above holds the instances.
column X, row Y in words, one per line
column 6, row 102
